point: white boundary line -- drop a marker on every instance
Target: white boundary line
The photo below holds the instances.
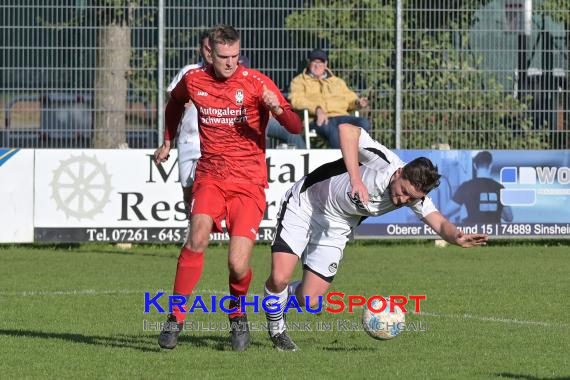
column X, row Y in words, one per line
column 75, row 292
column 104, row 292
column 509, row 321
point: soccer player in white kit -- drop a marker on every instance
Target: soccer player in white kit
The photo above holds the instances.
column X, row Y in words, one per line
column 188, row 141
column 319, row 212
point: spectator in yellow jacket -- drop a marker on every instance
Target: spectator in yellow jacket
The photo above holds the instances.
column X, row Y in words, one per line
column 327, row 98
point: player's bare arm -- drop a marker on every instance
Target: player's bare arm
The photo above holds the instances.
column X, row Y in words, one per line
column 450, row 233
column 349, row 136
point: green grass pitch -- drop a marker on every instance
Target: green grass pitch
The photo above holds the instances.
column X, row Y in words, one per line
column 496, row 312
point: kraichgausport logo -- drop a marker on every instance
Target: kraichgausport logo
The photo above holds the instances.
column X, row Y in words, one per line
column 335, row 303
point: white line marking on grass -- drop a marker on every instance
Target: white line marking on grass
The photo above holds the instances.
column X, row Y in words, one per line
column 100, row 292
column 73, row 292
column 492, row 319
column 95, row 292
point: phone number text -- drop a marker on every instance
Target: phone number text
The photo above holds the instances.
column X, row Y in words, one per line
column 128, row 235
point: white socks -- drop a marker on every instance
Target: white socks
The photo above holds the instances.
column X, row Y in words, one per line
column 275, row 320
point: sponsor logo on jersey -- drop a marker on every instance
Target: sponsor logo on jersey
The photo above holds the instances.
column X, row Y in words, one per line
column 229, row 116
column 202, row 93
column 239, row 96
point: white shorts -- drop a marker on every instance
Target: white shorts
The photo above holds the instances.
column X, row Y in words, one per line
column 187, row 161
column 319, row 242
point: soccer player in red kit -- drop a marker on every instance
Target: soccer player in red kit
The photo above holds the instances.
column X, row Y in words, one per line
column 234, row 104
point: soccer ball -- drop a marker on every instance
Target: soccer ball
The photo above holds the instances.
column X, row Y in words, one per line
column 384, row 325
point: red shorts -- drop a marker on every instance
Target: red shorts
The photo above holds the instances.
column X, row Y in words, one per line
column 242, row 205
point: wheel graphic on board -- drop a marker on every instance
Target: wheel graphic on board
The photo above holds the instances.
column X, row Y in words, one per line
column 81, row 187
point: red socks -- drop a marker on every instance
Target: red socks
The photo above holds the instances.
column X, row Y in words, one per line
column 239, row 288
column 188, row 273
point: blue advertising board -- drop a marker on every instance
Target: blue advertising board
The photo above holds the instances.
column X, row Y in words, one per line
column 498, row 192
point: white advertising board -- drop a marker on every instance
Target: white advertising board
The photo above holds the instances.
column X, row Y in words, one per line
column 17, row 195
column 121, row 196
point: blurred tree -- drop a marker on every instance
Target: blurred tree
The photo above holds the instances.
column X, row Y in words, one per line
column 111, row 82
column 113, row 21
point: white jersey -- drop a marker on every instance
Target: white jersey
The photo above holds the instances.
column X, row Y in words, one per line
column 188, row 131
column 318, row 213
column 327, row 190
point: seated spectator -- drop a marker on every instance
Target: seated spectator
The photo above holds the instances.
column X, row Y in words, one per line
column 327, row 98
column 276, row 131
column 280, row 135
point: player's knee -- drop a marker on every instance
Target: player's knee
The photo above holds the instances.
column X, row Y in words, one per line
column 238, row 268
column 277, row 282
column 197, row 242
column 200, row 228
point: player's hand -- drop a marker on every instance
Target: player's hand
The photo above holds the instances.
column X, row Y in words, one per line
column 470, row 240
column 271, row 100
column 161, row 154
column 359, row 188
column 322, row 117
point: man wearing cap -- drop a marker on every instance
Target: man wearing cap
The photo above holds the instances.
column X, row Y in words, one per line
column 327, row 98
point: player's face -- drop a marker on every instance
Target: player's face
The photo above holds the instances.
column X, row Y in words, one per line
column 205, row 51
column 225, row 59
column 317, row 67
column 402, row 192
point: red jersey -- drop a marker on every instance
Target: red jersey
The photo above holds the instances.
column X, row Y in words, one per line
column 232, row 119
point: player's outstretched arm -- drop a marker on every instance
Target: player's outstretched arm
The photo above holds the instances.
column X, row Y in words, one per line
column 449, row 232
column 349, row 136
